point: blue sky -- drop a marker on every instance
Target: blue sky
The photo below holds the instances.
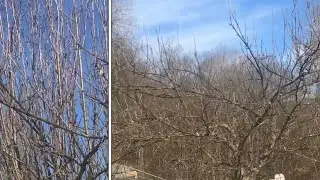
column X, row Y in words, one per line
column 208, row 21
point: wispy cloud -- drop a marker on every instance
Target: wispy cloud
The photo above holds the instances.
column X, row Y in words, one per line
column 154, row 13
column 206, row 21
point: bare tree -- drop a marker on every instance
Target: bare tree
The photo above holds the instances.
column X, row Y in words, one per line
column 53, row 89
column 179, row 116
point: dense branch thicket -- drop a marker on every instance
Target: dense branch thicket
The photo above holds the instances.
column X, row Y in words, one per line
column 53, row 89
column 229, row 115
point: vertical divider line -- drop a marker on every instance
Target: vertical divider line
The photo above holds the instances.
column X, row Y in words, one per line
column 109, row 86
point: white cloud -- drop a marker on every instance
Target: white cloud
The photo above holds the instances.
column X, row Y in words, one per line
column 152, row 13
column 206, row 21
